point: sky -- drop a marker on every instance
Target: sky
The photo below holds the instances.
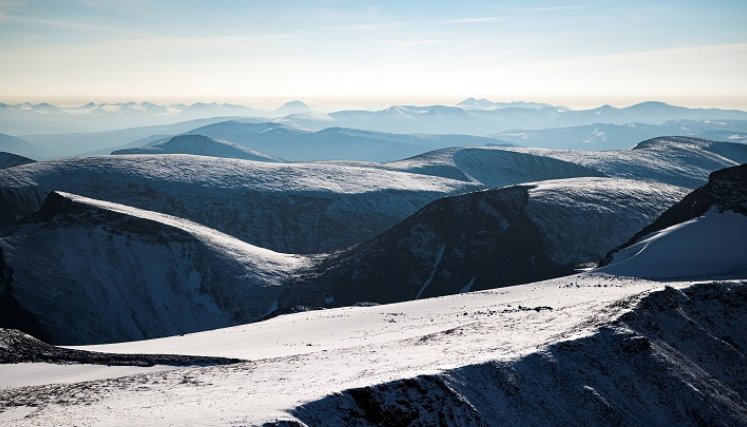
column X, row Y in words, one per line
column 374, row 53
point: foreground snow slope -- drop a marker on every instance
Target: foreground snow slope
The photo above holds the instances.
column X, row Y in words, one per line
column 682, row 161
column 501, row 351
column 484, row 240
column 91, row 271
column 295, row 208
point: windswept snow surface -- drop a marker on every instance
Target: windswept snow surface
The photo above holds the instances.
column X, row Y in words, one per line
column 36, row 374
column 712, row 245
column 288, row 207
column 300, row 361
column 94, row 271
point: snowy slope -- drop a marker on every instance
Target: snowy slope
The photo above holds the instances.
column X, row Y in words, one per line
column 285, row 207
column 490, row 166
column 200, row 146
column 721, row 245
column 607, row 136
column 704, row 235
column 484, row 240
column 576, row 350
column 681, row 161
column 111, row 272
column 8, row 160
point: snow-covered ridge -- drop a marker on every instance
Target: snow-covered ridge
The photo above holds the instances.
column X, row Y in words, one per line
column 288, row 207
column 114, row 272
column 674, row 346
column 681, row 161
column 490, row 166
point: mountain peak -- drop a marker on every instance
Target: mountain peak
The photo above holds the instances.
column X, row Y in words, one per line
column 292, row 107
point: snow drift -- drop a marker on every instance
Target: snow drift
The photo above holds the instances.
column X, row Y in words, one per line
column 704, row 235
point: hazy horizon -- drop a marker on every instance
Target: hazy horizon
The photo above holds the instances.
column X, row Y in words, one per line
column 372, row 54
column 331, row 105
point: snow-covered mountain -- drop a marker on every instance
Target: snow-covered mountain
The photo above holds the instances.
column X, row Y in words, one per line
column 472, row 103
column 682, row 161
column 607, row 136
column 200, row 146
column 290, row 107
column 704, row 235
column 8, row 160
column 333, row 143
column 568, row 351
column 486, row 239
column 441, row 119
column 44, row 118
column 287, row 207
column 490, row 166
column 116, row 273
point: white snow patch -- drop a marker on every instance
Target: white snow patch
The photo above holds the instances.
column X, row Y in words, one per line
column 712, row 245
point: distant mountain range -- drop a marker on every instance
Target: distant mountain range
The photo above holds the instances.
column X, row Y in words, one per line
column 45, row 118
column 333, row 143
column 471, row 116
column 441, row 119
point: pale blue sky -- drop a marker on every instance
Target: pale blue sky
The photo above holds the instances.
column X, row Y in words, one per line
column 371, row 53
